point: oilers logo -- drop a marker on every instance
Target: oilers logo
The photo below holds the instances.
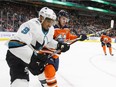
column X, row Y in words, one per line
column 106, row 40
column 61, row 37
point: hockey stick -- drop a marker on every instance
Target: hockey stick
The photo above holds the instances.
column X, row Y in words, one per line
column 75, row 40
column 40, row 51
column 50, row 52
column 99, row 32
column 53, row 52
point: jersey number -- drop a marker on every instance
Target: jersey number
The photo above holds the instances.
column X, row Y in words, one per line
column 25, row 30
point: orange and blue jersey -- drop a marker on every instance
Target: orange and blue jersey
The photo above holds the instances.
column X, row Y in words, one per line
column 63, row 34
column 105, row 39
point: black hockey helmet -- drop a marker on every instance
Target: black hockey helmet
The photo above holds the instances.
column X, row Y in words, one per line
column 63, row 13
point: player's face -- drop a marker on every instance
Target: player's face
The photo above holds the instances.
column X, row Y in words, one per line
column 63, row 20
column 47, row 23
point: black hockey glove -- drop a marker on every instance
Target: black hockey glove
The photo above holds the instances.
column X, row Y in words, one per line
column 63, row 46
column 42, row 57
column 37, row 64
column 101, row 40
column 82, row 37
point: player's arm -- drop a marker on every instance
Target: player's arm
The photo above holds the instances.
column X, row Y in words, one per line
column 52, row 44
column 82, row 37
column 58, row 45
column 102, row 38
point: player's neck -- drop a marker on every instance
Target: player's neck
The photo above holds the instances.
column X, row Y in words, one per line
column 45, row 31
column 60, row 26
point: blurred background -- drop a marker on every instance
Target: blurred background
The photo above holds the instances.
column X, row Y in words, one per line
column 85, row 16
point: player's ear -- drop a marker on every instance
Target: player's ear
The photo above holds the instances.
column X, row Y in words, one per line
column 41, row 18
column 58, row 19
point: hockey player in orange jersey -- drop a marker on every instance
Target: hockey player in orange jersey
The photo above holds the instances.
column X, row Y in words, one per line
column 62, row 35
column 106, row 41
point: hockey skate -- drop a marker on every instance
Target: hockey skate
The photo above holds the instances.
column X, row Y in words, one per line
column 105, row 54
column 112, row 54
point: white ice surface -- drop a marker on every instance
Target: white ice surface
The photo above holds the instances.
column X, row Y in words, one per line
column 84, row 65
